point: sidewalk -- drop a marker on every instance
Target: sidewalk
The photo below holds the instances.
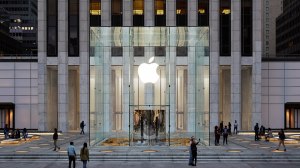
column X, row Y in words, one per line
column 240, row 148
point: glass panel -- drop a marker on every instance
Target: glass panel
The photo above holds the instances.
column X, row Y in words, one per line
column 125, row 110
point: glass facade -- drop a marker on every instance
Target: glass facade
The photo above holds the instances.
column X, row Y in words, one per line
column 126, row 111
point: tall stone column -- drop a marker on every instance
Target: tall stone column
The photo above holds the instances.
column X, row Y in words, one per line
column 171, row 14
column 84, row 62
column 127, row 13
column 256, row 65
column 149, row 12
column 214, row 66
column 192, row 12
column 42, row 65
column 105, row 12
column 235, row 62
column 62, row 65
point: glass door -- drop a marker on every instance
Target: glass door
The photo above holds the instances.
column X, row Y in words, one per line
column 148, row 124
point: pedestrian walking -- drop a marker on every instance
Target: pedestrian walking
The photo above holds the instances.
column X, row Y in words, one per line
column 235, row 127
column 82, row 127
column 281, row 139
column 216, row 136
column 221, row 127
column 225, row 135
column 256, row 129
column 72, row 154
column 24, row 133
column 55, row 138
column 84, row 155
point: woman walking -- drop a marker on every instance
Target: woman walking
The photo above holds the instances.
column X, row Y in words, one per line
column 281, row 139
column 84, row 155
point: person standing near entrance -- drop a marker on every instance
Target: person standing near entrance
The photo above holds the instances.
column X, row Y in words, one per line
column 6, row 131
column 82, row 127
column 71, row 154
column 55, row 138
column 235, row 126
column 256, row 129
column 225, row 135
column 281, row 139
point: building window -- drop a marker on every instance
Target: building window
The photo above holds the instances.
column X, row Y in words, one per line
column 246, row 30
column 160, row 12
column 95, row 13
column 225, row 27
column 181, row 13
column 73, row 24
column 138, row 12
column 203, row 13
column 116, row 13
column 51, row 27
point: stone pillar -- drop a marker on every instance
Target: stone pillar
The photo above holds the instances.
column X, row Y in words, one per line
column 256, row 65
column 105, row 12
column 62, row 65
column 170, row 13
column 127, row 13
column 42, row 64
column 149, row 12
column 214, row 63
column 235, row 62
column 193, row 12
column 84, row 63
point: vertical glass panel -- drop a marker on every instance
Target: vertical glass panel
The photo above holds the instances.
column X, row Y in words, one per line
column 203, row 12
column 160, row 12
column 181, row 13
column 201, row 117
column 95, row 13
column 116, row 12
column 246, row 27
column 225, row 27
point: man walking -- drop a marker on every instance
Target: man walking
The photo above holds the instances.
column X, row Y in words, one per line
column 71, row 154
column 82, row 127
column 55, row 137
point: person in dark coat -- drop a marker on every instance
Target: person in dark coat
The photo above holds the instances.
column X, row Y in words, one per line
column 194, row 151
column 256, row 129
column 55, row 138
column 281, row 139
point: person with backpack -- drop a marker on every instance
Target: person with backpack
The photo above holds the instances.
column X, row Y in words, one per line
column 82, row 127
column 281, row 139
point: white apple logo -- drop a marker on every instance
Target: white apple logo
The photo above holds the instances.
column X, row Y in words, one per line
column 147, row 72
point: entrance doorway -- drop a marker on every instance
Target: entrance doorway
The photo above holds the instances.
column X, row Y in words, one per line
column 149, row 125
column 7, row 115
column 292, row 115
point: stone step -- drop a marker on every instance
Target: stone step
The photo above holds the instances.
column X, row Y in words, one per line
column 157, row 157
